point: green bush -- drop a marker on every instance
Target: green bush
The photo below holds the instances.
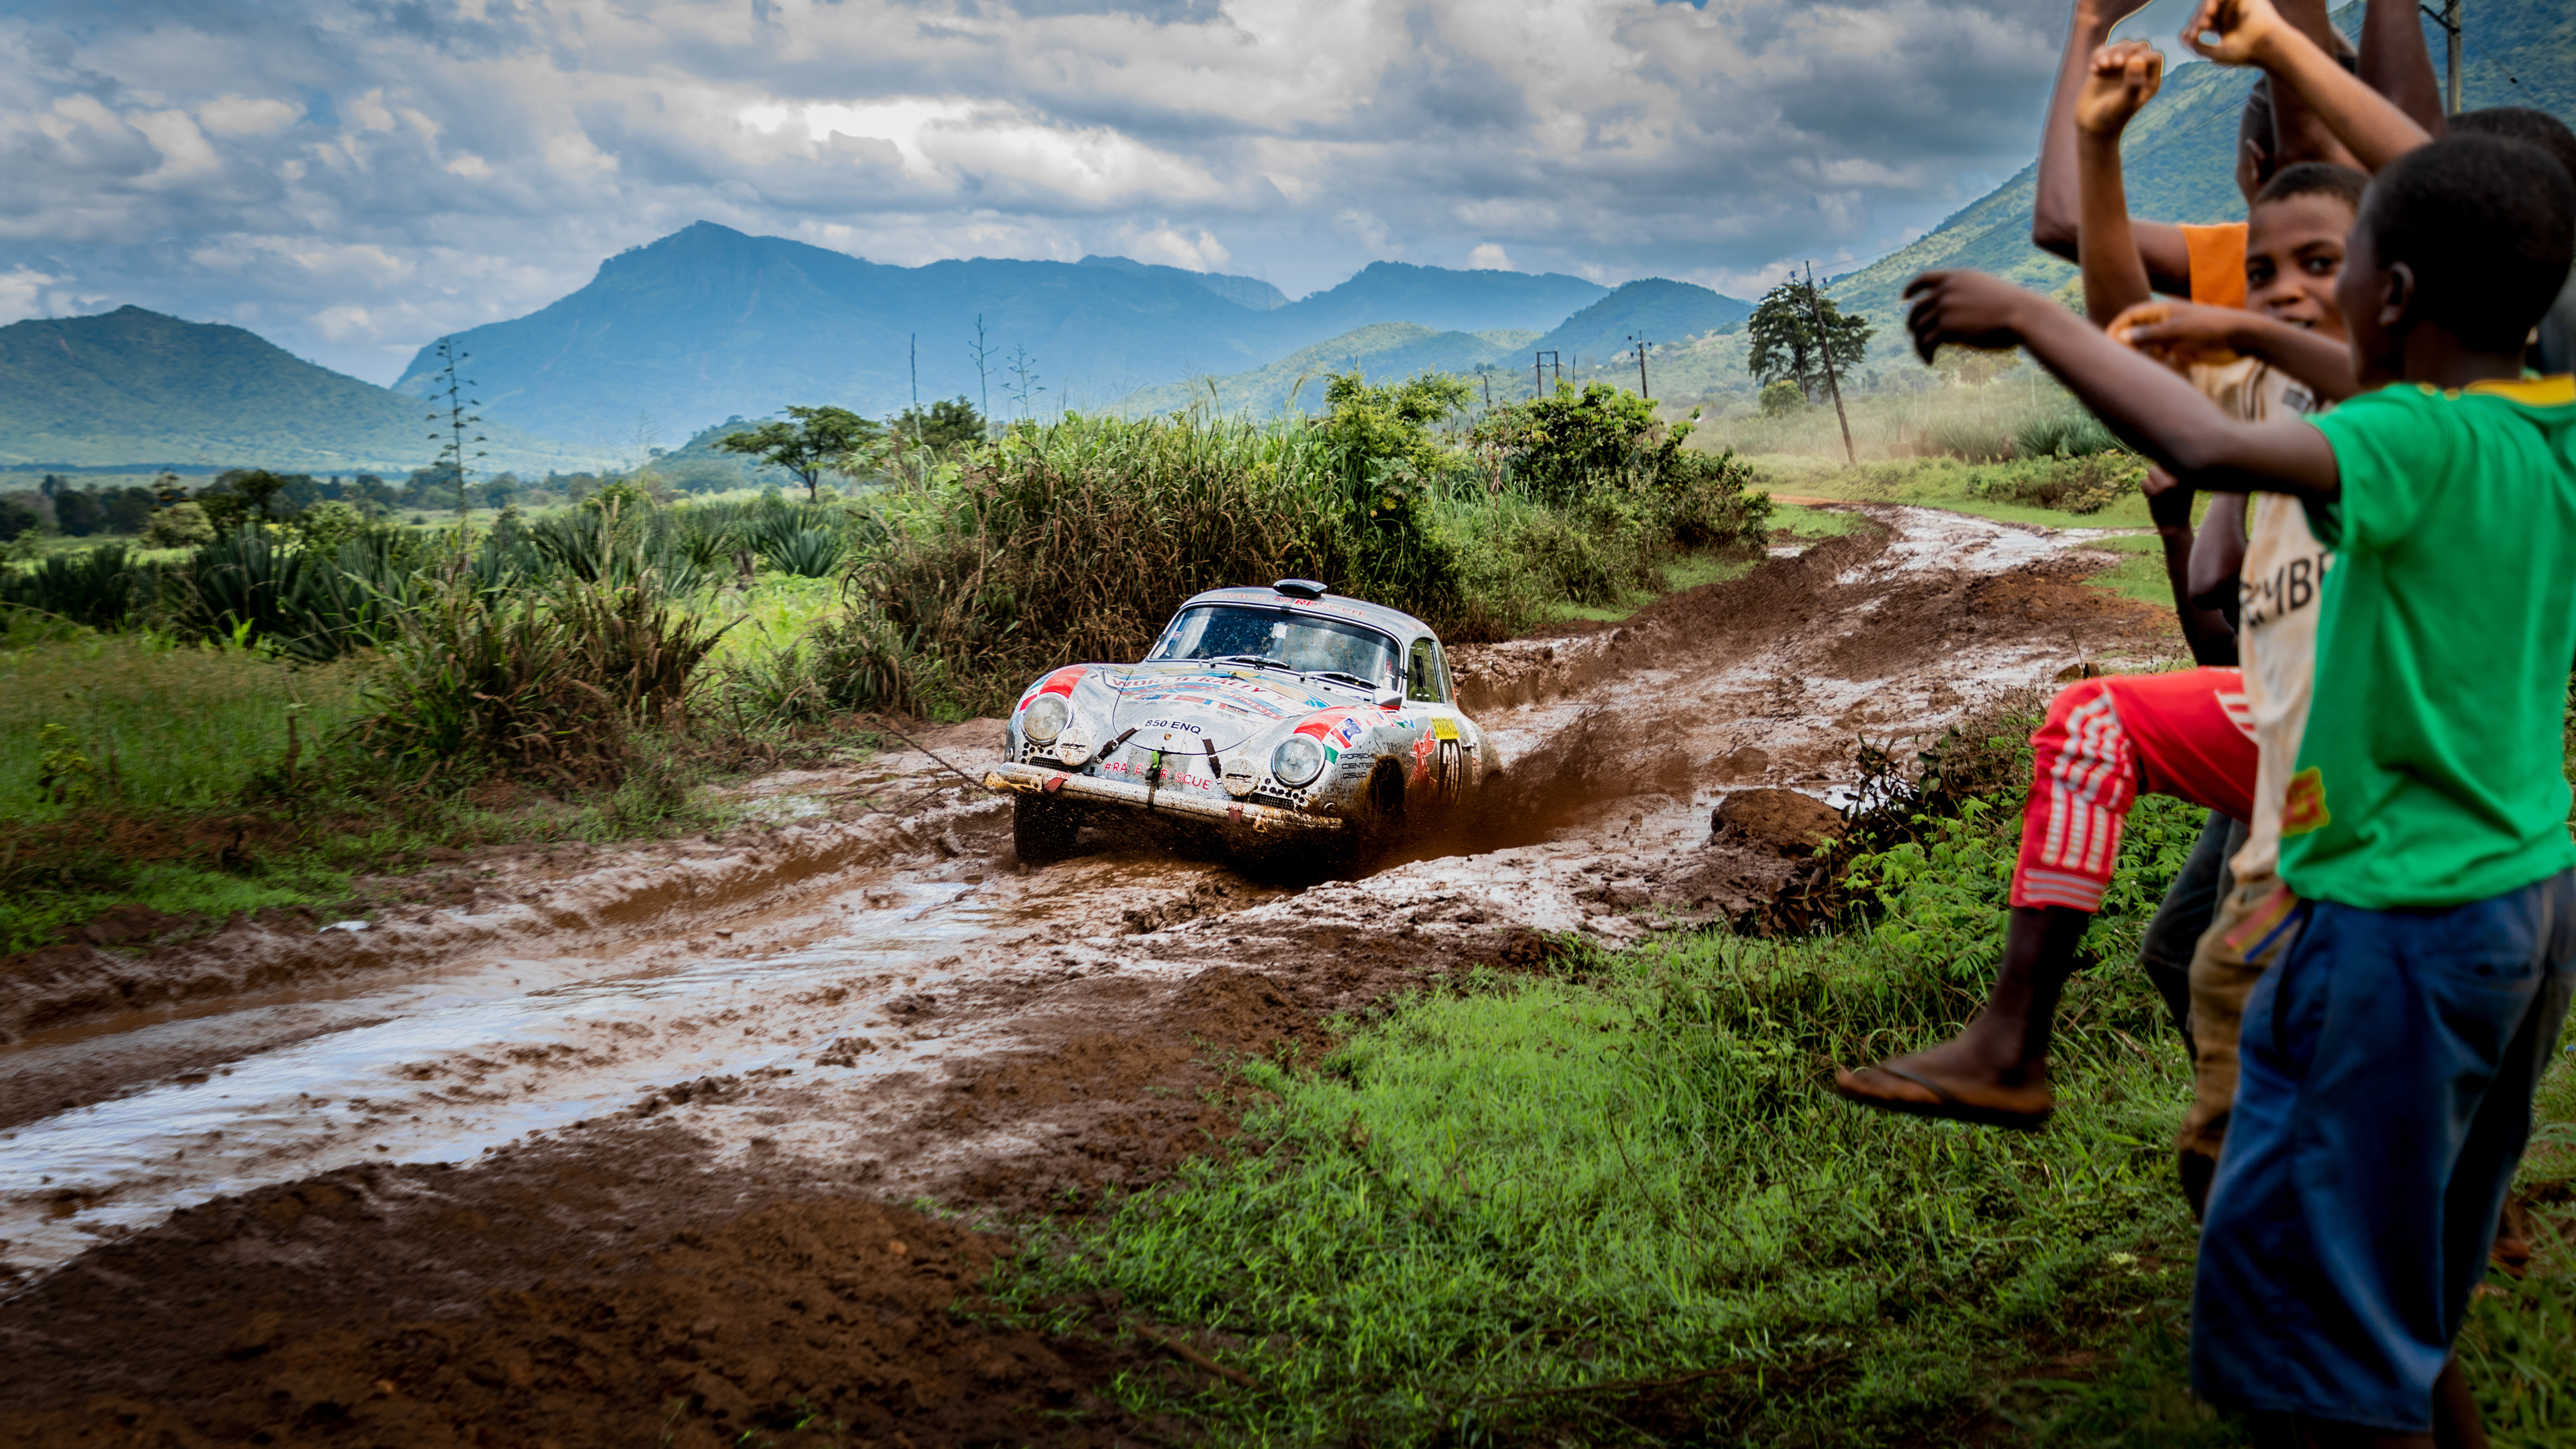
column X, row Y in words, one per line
column 2086, row 484
column 2071, row 434
column 539, row 684
column 1781, row 397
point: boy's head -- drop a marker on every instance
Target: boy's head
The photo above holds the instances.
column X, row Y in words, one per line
column 2254, row 140
column 2521, row 123
column 2470, row 235
column 2294, row 243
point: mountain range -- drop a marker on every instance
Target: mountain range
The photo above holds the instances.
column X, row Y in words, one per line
column 709, row 322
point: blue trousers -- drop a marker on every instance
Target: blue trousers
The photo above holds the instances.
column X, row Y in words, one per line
column 2383, row 1103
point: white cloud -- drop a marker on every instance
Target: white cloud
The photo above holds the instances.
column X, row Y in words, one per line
column 1488, row 257
column 366, row 177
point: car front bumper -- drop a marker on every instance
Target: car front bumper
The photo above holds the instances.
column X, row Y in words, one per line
column 1041, row 780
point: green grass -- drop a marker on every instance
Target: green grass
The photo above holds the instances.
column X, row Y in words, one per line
column 2140, row 574
column 158, row 723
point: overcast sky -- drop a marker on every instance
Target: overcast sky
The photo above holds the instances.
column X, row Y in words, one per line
column 351, row 178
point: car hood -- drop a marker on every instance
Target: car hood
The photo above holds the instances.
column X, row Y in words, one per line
column 1201, row 709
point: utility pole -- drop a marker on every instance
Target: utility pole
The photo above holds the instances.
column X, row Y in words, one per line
column 2449, row 20
column 1641, row 367
column 1540, row 362
column 1825, row 349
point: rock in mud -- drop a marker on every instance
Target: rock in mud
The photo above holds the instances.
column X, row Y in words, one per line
column 1783, row 820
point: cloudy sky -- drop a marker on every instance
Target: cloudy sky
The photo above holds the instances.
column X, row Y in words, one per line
column 351, row 178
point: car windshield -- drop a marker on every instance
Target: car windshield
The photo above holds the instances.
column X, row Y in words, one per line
column 1299, row 641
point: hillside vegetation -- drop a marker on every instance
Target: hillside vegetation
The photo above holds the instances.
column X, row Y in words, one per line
column 137, row 387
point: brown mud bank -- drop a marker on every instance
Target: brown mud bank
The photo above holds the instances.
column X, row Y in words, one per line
column 613, row 1158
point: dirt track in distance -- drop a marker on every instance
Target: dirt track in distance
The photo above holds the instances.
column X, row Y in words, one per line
column 603, row 1150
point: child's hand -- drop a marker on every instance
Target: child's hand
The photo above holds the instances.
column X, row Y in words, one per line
column 2168, row 502
column 1967, row 308
column 2179, row 334
column 2243, row 29
column 2126, row 75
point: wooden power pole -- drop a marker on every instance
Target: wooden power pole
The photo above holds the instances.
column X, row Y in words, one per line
column 2451, row 24
column 1825, row 349
column 1641, row 367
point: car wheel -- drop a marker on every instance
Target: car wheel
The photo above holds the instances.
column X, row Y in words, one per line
column 1042, row 830
column 1384, row 801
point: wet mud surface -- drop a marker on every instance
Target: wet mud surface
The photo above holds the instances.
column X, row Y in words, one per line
column 608, row 1147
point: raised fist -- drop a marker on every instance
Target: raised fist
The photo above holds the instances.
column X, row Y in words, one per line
column 2125, row 76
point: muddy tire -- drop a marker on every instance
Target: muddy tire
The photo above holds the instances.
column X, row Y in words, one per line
column 1381, row 812
column 1042, row 830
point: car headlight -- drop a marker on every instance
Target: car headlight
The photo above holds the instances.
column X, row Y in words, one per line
column 1044, row 719
column 1297, row 761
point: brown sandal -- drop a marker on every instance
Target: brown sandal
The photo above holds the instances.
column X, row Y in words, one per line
column 1948, row 1108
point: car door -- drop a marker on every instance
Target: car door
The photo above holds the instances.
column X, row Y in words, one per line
column 1445, row 753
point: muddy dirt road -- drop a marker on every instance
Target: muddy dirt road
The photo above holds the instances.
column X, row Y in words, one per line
column 598, row 1149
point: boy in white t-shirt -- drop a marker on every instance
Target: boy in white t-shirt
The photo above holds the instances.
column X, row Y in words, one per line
column 2244, row 361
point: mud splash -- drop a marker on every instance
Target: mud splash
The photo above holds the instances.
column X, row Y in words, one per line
column 868, row 1006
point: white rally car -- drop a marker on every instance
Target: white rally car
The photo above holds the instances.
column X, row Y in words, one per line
column 1260, row 712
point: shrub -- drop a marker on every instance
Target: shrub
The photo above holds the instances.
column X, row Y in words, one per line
column 2086, row 484
column 1781, row 397
column 2064, row 435
column 181, row 525
column 535, row 683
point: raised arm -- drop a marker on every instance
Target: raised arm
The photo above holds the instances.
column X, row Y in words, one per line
column 2120, row 79
column 2251, row 32
column 2152, row 410
column 2298, row 132
column 2056, row 211
column 2395, row 63
column 2178, row 333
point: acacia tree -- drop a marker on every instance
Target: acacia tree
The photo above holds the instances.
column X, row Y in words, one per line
column 1782, row 331
column 815, row 441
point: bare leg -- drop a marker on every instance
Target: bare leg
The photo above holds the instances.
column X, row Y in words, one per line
column 1996, row 1069
column 2456, row 1421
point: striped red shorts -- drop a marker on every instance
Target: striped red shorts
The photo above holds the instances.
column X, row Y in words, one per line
column 2186, row 734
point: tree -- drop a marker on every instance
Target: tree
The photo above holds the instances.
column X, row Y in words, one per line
column 817, row 441
column 257, row 488
column 1780, row 397
column 17, row 519
column 1782, row 330
column 75, row 512
column 946, row 425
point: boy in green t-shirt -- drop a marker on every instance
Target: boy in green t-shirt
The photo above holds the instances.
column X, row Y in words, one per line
column 2388, row 1061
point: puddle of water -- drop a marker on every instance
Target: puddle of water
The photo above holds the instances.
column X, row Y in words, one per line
column 439, row 1070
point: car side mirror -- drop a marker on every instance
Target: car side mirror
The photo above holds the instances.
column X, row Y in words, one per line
column 1388, row 698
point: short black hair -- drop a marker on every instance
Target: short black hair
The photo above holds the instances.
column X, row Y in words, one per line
column 2486, row 223
column 2521, row 123
column 2254, row 123
column 2316, row 178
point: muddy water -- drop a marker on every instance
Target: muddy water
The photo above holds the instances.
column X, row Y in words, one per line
column 810, row 1018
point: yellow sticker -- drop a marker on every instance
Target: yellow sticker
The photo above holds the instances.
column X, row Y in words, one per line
column 1443, row 729
column 2305, row 807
